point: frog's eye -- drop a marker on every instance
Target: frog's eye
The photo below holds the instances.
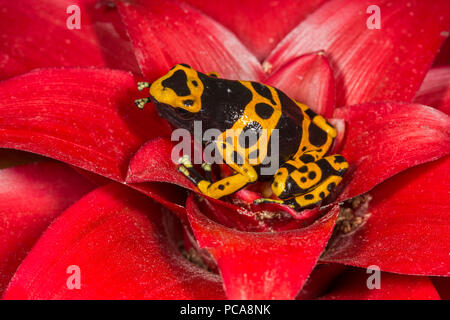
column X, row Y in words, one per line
column 188, row 103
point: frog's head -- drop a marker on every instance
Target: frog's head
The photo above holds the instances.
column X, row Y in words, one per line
column 177, row 95
column 180, row 88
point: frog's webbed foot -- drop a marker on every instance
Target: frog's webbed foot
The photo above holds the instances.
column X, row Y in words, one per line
column 140, row 103
column 142, row 85
column 208, row 171
column 188, row 169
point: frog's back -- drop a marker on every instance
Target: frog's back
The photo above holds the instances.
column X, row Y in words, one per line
column 251, row 108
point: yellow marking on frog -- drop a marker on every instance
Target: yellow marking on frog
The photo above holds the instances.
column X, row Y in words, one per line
column 213, row 74
column 307, row 181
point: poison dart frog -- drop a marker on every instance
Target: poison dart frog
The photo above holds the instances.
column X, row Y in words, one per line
column 305, row 176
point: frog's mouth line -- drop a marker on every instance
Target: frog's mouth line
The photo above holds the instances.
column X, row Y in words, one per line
column 177, row 117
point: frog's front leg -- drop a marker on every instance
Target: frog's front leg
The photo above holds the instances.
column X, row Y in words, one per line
column 191, row 173
column 301, row 185
column 245, row 174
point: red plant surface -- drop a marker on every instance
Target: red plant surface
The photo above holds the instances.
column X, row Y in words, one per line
column 115, row 205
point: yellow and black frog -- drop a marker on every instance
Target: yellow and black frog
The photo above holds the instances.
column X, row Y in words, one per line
column 248, row 114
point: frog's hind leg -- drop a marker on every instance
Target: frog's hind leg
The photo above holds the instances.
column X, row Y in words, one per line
column 301, row 185
column 316, row 195
column 318, row 120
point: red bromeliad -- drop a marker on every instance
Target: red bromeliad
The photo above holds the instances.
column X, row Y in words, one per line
column 116, row 206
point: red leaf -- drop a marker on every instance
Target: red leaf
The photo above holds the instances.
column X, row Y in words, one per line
column 119, row 240
column 84, row 117
column 166, row 32
column 31, row 196
column 308, row 79
column 407, row 228
column 260, row 27
column 385, row 138
column 284, row 259
column 371, row 64
column 34, row 34
column 435, row 89
column 352, row 285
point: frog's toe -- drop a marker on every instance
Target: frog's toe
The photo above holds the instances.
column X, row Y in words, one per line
column 140, row 103
column 266, row 200
column 142, row 85
column 208, row 171
column 187, row 168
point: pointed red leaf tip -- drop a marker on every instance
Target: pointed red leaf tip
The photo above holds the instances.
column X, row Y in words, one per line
column 34, row 34
column 442, row 285
column 284, row 259
column 406, row 228
column 85, row 117
column 352, row 285
column 385, row 138
column 259, row 26
column 153, row 162
column 435, row 89
column 119, row 239
column 308, row 79
column 31, row 196
column 371, row 64
column 167, row 32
